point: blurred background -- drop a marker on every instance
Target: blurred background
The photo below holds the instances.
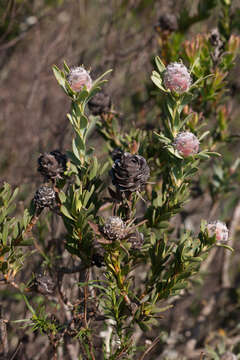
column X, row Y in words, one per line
column 36, row 34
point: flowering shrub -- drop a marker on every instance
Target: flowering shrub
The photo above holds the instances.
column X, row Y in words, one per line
column 118, row 212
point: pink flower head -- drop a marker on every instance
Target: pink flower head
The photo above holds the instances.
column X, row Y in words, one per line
column 186, row 143
column 219, row 229
column 228, row 356
column 177, row 78
column 78, row 77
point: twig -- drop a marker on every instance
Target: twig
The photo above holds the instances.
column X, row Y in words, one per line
column 11, row 282
column 85, row 314
column 86, row 298
column 208, row 261
column 33, row 222
column 3, row 335
column 19, row 345
column 79, row 268
column 123, row 352
column 147, row 351
column 227, row 255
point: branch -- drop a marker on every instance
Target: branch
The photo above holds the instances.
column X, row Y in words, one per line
column 227, row 255
column 149, row 349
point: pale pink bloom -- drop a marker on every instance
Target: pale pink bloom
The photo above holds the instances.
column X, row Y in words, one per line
column 177, row 78
column 228, row 356
column 78, row 77
column 219, row 229
column 186, row 144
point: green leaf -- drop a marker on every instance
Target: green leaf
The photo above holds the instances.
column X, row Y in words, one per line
column 163, row 138
column 62, row 196
column 26, row 218
column 83, row 122
column 203, row 135
column 20, row 320
column 144, row 327
column 28, row 305
column 199, row 80
column 98, row 80
column 144, row 299
column 66, row 68
column 202, row 155
column 59, row 76
column 94, row 168
column 65, row 212
column 160, row 65
column 5, row 234
column 225, row 246
column 158, row 82
column 82, row 95
column 163, row 309
column 74, row 161
column 213, row 153
column 80, row 143
column 13, row 195
column 87, row 196
column 4, row 267
column 10, row 209
column 182, row 123
column 103, row 168
column 191, row 172
column 27, row 242
column 174, row 152
column 195, row 259
column 75, row 150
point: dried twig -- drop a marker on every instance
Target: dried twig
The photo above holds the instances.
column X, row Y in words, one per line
column 19, row 345
column 3, row 335
column 147, row 351
column 227, row 255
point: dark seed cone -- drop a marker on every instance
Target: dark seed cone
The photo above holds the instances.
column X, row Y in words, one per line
column 130, row 172
column 44, row 284
column 45, row 196
column 218, row 45
column 52, row 165
column 116, row 154
column 215, row 38
column 167, row 22
column 114, row 228
column 100, row 104
column 136, row 239
column 98, row 255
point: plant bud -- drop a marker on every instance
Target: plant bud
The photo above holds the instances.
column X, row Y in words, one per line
column 44, row 284
column 136, row 239
column 177, row 78
column 215, row 39
column 219, row 229
column 186, row 143
column 78, row 77
column 228, row 356
column 45, row 196
column 167, row 22
column 114, row 228
column 52, row 165
column 100, row 104
column 98, row 255
column 116, row 154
